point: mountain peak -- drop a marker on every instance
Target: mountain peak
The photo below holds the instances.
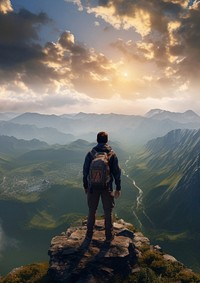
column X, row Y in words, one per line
column 154, row 112
column 129, row 256
column 188, row 116
column 190, row 113
column 80, row 143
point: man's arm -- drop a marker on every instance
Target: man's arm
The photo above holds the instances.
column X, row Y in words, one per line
column 86, row 167
column 116, row 172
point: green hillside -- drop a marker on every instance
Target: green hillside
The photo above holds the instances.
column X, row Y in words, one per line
column 150, row 266
column 167, row 171
column 41, row 194
column 34, row 222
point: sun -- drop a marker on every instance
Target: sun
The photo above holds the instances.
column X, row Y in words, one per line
column 125, row 74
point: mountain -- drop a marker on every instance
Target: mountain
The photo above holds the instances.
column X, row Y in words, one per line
column 31, row 217
column 41, row 190
column 80, row 123
column 28, row 132
column 171, row 179
column 43, row 121
column 13, row 146
column 41, row 193
column 6, row 116
column 79, row 144
column 130, row 130
column 130, row 257
column 74, row 152
column 180, row 152
column 167, row 177
column 188, row 116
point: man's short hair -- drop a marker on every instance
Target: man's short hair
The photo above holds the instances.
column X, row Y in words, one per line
column 102, row 137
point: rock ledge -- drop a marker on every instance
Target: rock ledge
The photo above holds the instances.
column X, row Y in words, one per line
column 74, row 260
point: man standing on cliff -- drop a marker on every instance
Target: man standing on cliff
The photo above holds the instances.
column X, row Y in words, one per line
column 99, row 170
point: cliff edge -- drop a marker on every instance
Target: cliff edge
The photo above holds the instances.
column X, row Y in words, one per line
column 129, row 256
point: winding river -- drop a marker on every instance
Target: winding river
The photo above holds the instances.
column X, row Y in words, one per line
column 137, row 207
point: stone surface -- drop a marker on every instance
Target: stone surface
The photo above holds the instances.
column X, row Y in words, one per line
column 169, row 257
column 75, row 260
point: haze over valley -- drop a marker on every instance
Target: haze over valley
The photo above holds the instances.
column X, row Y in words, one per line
column 41, row 193
column 127, row 129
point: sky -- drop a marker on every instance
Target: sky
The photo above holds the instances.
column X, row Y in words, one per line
column 106, row 56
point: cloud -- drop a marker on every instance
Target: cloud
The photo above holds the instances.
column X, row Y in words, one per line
column 189, row 41
column 5, row 6
column 76, row 2
column 170, row 38
column 156, row 62
column 46, row 70
column 123, row 16
column 18, row 46
column 32, row 72
column 142, row 16
column 51, row 103
column 80, row 67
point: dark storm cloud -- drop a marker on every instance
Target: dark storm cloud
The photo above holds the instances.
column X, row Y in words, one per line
column 189, row 34
column 18, row 36
column 22, row 57
column 26, row 64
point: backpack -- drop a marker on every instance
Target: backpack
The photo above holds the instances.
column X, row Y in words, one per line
column 99, row 171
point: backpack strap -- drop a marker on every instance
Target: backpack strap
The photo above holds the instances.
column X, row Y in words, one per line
column 93, row 152
column 110, row 153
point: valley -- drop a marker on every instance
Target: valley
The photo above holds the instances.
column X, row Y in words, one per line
column 41, row 190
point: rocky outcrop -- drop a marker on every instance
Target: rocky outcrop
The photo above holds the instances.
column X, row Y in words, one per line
column 73, row 259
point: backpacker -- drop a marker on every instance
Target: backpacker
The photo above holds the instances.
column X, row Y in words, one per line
column 99, row 172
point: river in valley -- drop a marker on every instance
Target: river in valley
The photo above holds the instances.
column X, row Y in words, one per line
column 138, row 209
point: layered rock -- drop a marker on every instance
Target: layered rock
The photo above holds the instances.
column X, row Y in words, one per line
column 75, row 260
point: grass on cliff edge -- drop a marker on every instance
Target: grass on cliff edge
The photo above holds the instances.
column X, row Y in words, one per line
column 32, row 273
column 151, row 268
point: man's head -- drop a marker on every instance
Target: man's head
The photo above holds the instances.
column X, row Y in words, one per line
column 102, row 137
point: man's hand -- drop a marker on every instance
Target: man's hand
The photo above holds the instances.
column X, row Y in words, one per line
column 117, row 194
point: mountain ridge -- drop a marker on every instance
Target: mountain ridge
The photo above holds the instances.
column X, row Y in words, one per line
column 167, row 164
column 130, row 129
column 28, row 132
column 12, row 145
column 172, row 179
column 188, row 115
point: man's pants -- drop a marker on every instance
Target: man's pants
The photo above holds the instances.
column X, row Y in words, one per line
column 108, row 205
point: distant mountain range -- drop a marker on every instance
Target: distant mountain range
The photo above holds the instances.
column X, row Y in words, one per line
column 128, row 129
column 12, row 146
column 36, row 148
column 28, row 132
column 188, row 116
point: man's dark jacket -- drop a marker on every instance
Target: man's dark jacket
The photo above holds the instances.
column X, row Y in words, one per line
column 114, row 166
